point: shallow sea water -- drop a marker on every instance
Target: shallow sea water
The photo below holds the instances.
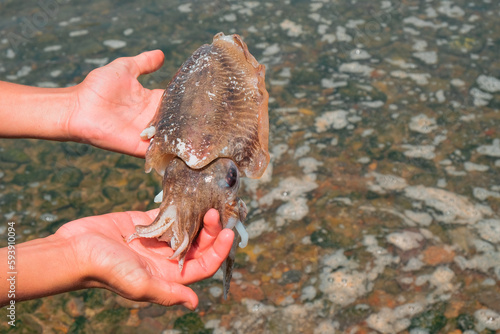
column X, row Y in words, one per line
column 380, row 209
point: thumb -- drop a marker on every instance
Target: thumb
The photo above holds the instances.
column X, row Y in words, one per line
column 147, row 62
column 170, row 293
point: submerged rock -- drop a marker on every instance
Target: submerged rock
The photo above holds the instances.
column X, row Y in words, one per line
column 489, row 229
column 489, row 84
column 432, row 321
column 492, row 150
column 450, row 207
column 190, row 323
column 14, row 155
column 487, row 319
column 423, row 124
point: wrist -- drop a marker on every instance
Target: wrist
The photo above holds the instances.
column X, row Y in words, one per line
column 64, row 127
column 76, row 258
column 83, row 119
column 67, row 260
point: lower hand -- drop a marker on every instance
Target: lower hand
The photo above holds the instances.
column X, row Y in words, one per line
column 140, row 270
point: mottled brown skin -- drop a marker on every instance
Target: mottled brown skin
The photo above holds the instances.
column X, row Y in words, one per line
column 211, row 127
column 215, row 106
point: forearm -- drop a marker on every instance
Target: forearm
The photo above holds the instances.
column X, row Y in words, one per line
column 33, row 112
column 43, row 267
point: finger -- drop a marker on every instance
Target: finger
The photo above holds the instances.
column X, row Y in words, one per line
column 209, row 232
column 211, row 226
column 169, row 293
column 141, row 218
column 147, row 62
column 141, row 149
column 144, row 118
column 207, row 264
column 153, row 213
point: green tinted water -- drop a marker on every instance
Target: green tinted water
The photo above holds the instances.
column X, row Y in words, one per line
column 380, row 208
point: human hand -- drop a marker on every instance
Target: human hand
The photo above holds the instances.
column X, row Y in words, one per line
column 140, row 270
column 112, row 107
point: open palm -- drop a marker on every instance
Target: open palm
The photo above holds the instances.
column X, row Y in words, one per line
column 113, row 107
column 140, row 270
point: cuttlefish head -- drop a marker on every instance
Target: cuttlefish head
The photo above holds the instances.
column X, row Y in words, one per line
column 187, row 195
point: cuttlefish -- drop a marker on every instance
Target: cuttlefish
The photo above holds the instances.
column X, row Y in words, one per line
column 211, row 128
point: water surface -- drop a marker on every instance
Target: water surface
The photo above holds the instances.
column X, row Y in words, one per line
column 380, row 210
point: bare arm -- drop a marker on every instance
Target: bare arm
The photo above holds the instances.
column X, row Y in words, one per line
column 92, row 253
column 41, row 267
column 33, row 112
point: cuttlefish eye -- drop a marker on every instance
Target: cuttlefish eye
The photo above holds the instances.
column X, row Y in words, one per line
column 231, row 176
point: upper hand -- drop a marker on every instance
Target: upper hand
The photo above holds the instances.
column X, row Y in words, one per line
column 140, row 270
column 112, row 107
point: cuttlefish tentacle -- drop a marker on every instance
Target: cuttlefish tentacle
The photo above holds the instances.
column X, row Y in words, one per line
column 243, row 234
column 234, row 222
column 158, row 198
column 148, row 132
column 237, row 214
column 161, row 225
column 242, row 210
column 182, row 247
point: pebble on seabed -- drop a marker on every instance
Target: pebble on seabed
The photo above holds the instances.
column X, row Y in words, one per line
column 489, row 84
column 405, row 240
column 453, row 208
column 394, row 320
column 487, row 319
column 114, row 44
column 492, row 150
column 423, row 124
column 489, row 229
